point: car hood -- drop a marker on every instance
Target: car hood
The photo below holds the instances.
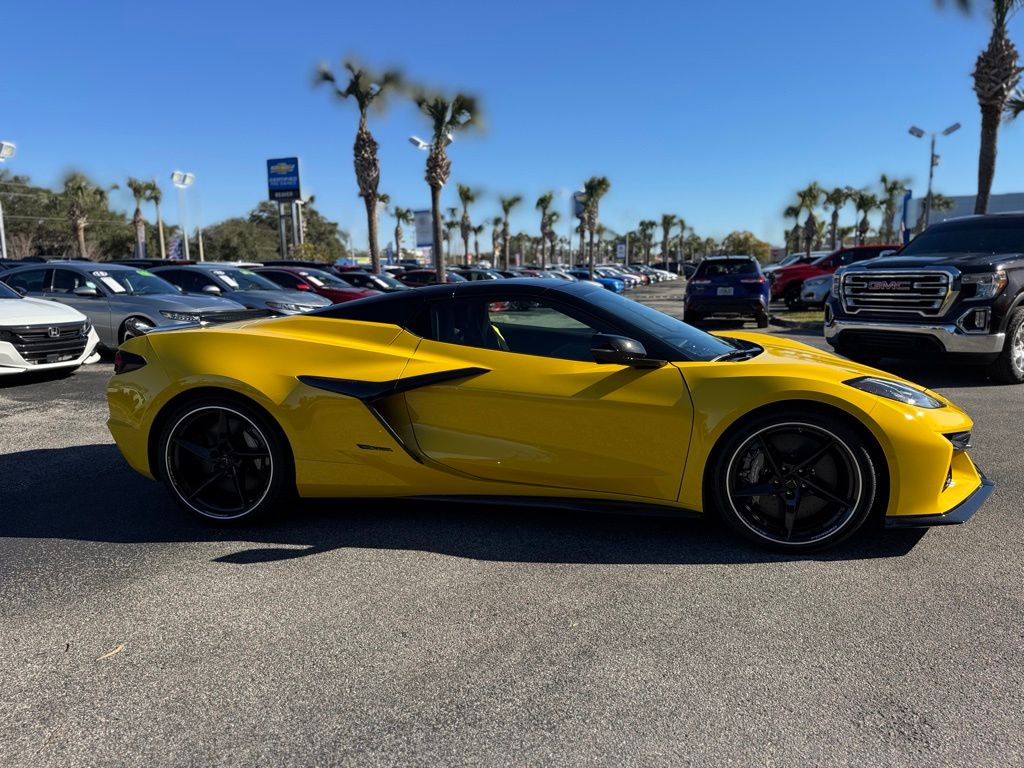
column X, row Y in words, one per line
column 259, row 299
column 36, row 312
column 192, row 302
column 969, row 261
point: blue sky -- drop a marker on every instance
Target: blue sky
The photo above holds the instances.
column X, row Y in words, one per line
column 716, row 111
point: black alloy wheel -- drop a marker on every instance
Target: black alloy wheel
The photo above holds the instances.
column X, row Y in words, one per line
column 792, row 298
column 223, row 461
column 795, row 483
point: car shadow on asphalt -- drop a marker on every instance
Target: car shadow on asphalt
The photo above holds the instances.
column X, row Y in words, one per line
column 88, row 493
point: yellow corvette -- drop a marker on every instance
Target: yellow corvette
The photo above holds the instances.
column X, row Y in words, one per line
column 538, row 391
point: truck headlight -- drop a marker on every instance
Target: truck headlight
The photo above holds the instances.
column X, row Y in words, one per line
column 837, row 281
column 181, row 317
column 894, row 390
column 989, row 284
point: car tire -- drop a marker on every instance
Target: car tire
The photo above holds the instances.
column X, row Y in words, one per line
column 792, row 298
column 223, row 460
column 817, row 476
column 762, row 321
column 1009, row 366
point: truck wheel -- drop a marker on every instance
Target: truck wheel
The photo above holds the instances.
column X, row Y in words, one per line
column 792, row 298
column 1009, row 367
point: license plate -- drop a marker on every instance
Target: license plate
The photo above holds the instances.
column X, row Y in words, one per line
column 725, row 291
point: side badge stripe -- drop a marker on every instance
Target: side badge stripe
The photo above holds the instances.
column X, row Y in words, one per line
column 368, row 391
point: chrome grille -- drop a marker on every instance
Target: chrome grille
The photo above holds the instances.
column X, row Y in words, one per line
column 921, row 293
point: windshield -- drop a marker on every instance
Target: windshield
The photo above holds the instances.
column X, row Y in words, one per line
column 8, row 293
column 134, row 282
column 322, row 279
column 385, row 280
column 991, row 237
column 693, row 343
column 244, row 280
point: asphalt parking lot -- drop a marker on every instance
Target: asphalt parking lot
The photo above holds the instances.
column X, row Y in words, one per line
column 354, row 633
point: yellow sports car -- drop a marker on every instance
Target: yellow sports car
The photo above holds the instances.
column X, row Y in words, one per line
column 538, row 391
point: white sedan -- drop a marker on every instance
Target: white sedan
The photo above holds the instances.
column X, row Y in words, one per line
column 39, row 335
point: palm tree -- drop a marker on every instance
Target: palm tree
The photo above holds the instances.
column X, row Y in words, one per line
column 646, row 234
column 793, row 235
column 865, row 202
column 477, row 231
column 450, row 225
column 835, row 200
column 548, row 229
column 544, row 205
column 155, row 196
column 940, row 204
column 402, row 216
column 140, row 191
column 996, row 75
column 892, row 190
column 807, row 200
column 367, row 89
column 466, row 196
column 82, row 197
column 668, row 221
column 594, row 189
column 447, row 116
column 681, row 223
column 496, row 229
column 507, row 204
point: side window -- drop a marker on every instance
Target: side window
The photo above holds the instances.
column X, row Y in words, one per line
column 65, row 281
column 524, row 327
column 31, row 280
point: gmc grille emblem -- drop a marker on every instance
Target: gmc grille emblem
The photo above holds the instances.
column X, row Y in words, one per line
column 53, row 333
column 889, row 285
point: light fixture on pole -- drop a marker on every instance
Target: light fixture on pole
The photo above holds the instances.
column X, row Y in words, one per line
column 7, row 149
column 918, row 133
column 183, row 181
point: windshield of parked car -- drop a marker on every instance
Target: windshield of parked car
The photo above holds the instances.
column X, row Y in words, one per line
column 8, row 293
column 134, row 282
column 714, row 268
column 693, row 343
column 322, row 279
column 244, row 280
column 984, row 237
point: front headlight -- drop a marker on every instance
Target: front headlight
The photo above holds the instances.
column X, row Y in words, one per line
column 836, row 282
column 283, row 306
column 989, row 284
column 181, row 317
column 894, row 390
column 86, row 328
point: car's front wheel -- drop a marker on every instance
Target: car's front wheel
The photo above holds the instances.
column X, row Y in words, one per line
column 1009, row 367
column 223, row 460
column 794, row 481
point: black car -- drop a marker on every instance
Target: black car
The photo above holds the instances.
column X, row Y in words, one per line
column 956, row 291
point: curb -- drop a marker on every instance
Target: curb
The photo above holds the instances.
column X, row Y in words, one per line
column 802, row 325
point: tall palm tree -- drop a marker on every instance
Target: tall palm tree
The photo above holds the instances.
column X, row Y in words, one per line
column 366, row 89
column 402, row 216
column 996, row 74
column 544, row 206
column 450, row 225
column 646, row 233
column 447, row 116
column 467, row 197
column 681, row 223
column 865, row 202
column 496, row 229
column 793, row 235
column 668, row 221
column 507, row 204
column 892, row 190
column 156, row 196
column 835, row 200
column 140, row 191
column 807, row 200
column 477, row 231
column 82, row 197
column 548, row 230
column 940, row 204
column 594, row 189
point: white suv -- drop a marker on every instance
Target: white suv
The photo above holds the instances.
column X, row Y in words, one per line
column 39, row 335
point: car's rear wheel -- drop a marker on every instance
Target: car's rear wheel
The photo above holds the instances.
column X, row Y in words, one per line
column 223, row 460
column 691, row 317
column 1009, row 367
column 794, row 482
column 792, row 298
column 762, row 320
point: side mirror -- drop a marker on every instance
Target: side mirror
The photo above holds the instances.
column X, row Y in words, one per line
column 883, row 254
column 621, row 350
column 87, row 291
column 214, row 289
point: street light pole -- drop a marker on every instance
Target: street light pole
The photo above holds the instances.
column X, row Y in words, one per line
column 7, row 149
column 933, row 160
column 183, row 180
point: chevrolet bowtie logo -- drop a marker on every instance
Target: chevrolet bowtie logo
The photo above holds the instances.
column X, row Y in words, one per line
column 889, row 285
column 282, row 168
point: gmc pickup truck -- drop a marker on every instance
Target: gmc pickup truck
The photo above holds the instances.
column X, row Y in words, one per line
column 955, row 291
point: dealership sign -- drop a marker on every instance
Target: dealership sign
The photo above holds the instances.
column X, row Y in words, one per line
column 424, row 229
column 283, row 179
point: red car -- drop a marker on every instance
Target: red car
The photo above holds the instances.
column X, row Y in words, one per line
column 316, row 281
column 787, row 282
